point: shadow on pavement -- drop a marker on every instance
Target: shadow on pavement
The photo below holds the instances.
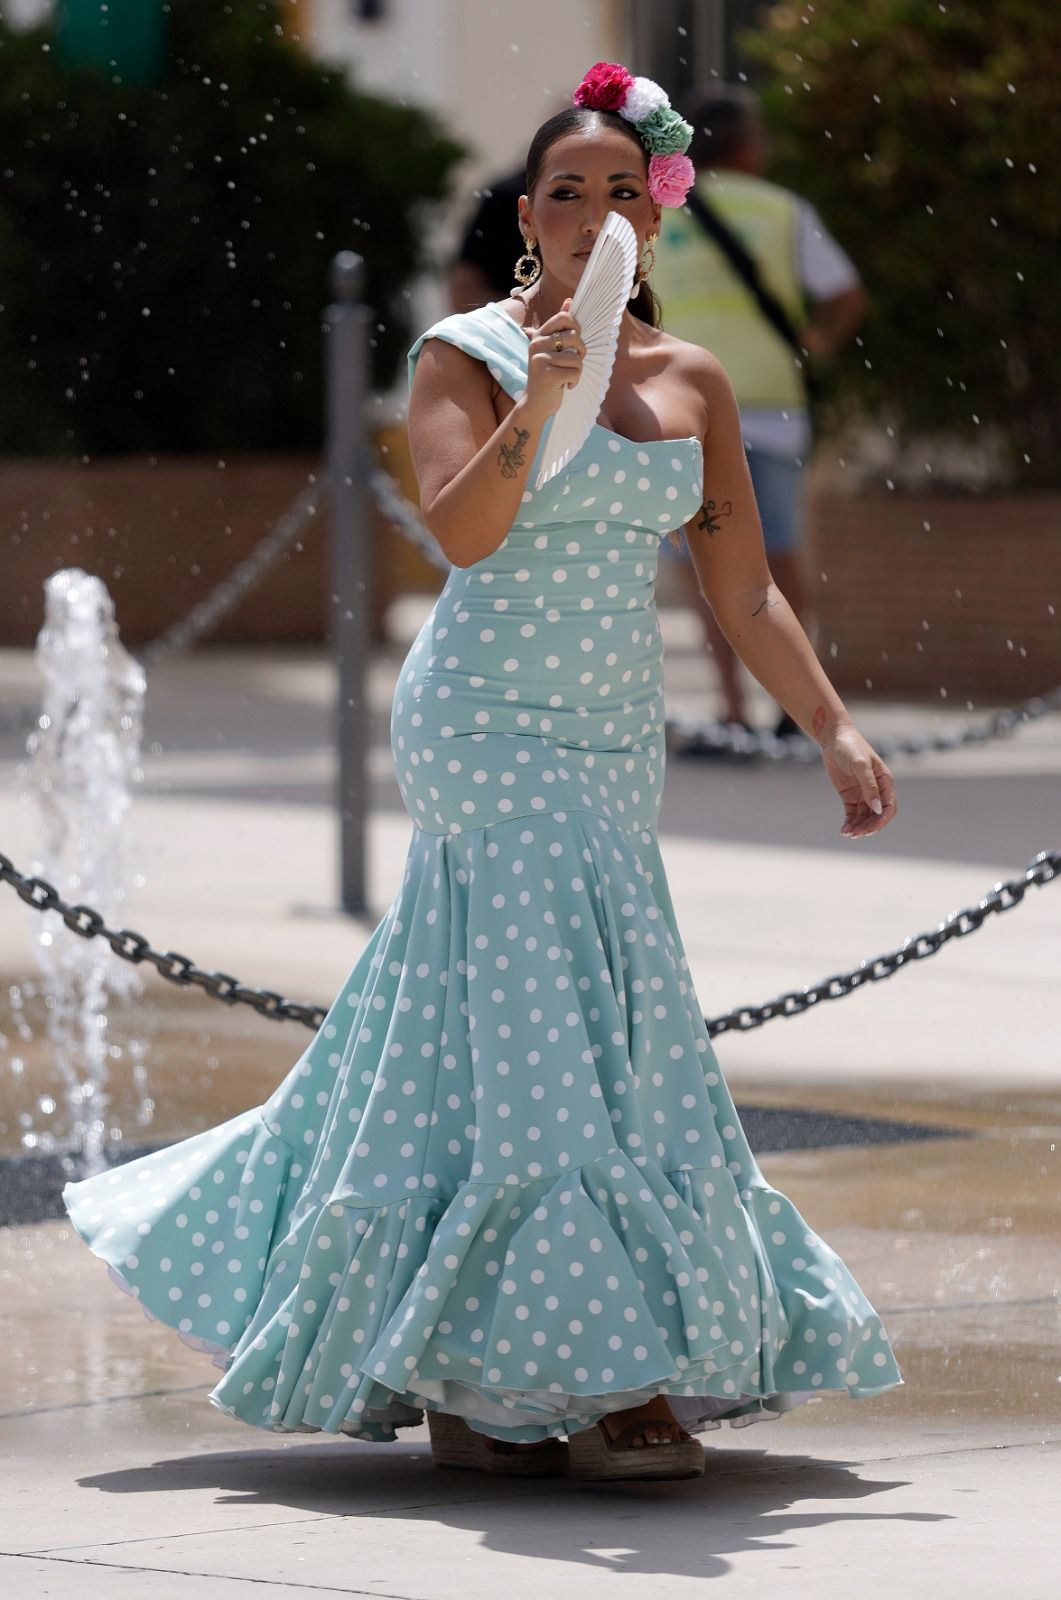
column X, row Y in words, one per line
column 632, row 1527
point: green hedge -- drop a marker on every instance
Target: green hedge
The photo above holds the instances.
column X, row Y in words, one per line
column 164, row 249
column 927, row 134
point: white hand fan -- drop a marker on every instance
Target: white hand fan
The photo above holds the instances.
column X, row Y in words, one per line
column 598, row 303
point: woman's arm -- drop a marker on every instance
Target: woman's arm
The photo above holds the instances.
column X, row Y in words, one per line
column 472, row 470
column 726, row 543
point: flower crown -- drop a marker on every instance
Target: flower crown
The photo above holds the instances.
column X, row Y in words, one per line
column 664, row 134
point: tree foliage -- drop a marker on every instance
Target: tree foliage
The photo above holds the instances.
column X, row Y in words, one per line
column 164, row 249
column 926, row 133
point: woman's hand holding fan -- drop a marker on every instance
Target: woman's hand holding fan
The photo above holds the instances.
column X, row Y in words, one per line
column 554, row 362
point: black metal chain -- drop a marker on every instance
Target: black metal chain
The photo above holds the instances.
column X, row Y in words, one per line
column 1042, row 868
column 690, row 737
column 132, row 946
column 403, row 515
column 206, row 613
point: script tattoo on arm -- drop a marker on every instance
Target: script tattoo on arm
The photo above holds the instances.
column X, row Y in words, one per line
column 768, row 603
column 511, row 455
column 710, row 513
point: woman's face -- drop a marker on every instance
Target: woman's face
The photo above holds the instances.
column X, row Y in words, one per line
column 583, row 177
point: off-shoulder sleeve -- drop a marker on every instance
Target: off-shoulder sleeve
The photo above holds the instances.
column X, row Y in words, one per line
column 488, row 335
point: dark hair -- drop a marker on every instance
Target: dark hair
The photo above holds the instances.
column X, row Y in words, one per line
column 575, row 119
column 722, row 117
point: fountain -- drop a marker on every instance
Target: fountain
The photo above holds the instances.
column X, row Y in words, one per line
column 83, row 759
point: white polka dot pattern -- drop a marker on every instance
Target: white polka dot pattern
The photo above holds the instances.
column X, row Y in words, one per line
column 506, row 1178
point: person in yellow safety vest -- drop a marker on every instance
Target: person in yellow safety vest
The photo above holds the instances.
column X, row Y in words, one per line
column 708, row 302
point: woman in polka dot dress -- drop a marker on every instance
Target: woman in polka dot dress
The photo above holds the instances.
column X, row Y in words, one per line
column 505, row 1185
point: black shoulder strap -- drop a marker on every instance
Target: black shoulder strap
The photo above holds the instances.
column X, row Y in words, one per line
column 747, row 268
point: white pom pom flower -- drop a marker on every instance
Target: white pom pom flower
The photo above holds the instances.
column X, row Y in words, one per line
column 642, row 98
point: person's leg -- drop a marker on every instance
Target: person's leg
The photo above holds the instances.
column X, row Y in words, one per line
column 788, row 574
column 718, row 647
column 778, row 484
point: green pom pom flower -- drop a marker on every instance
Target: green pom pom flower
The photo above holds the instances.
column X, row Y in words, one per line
column 664, row 133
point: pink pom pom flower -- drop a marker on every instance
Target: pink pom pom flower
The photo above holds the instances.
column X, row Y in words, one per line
column 604, row 87
column 670, row 178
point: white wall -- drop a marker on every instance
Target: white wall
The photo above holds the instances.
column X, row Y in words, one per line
column 493, row 69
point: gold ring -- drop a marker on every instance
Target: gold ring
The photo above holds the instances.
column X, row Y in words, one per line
column 558, row 341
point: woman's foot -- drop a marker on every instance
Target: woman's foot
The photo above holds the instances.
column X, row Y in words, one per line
column 641, row 1442
column 660, row 1424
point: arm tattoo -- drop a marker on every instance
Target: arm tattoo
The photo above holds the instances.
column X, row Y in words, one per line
column 511, row 455
column 709, row 519
column 768, row 603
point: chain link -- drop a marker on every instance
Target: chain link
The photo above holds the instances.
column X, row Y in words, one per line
column 227, row 594
column 222, row 598
column 132, row 946
column 1043, row 868
column 206, row 613
column 403, row 514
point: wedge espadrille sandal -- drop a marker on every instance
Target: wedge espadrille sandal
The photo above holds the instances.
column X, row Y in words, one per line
column 595, row 1454
column 455, row 1444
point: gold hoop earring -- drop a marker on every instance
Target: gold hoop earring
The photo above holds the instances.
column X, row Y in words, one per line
column 528, row 267
column 648, row 260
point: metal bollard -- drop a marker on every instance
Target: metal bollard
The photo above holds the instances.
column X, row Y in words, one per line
column 346, row 348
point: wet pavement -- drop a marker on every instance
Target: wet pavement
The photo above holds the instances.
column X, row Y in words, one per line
column 916, row 1125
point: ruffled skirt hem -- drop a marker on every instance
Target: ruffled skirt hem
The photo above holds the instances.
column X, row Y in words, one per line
column 397, row 1330
column 382, row 1426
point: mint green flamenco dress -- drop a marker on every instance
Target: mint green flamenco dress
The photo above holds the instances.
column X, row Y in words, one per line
column 506, row 1179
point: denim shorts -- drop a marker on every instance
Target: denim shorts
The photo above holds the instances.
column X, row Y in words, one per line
column 778, row 484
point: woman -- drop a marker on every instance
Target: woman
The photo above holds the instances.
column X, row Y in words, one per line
column 505, row 1184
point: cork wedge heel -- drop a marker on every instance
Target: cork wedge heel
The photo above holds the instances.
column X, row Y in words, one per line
column 455, row 1444
column 595, row 1454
